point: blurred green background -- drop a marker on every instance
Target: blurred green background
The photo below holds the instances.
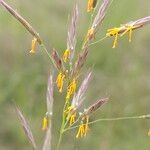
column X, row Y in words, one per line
column 122, row 73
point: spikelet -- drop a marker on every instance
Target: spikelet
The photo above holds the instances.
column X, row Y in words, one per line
column 95, row 106
column 57, row 60
column 79, row 96
column 126, row 28
column 101, row 14
column 71, row 38
column 26, row 127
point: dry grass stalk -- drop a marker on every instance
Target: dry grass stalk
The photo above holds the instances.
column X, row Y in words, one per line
column 22, row 21
column 71, row 39
column 47, row 142
column 26, row 128
column 95, row 106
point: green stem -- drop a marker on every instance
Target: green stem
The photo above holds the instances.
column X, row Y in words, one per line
column 110, row 119
column 48, row 54
column 60, row 137
column 62, row 126
column 98, row 41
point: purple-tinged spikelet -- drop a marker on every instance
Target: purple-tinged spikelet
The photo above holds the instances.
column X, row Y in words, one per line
column 22, row 21
column 26, row 128
column 95, row 106
column 57, row 60
column 79, row 96
column 72, row 29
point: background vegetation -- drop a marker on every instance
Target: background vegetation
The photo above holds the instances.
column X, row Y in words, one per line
column 122, row 73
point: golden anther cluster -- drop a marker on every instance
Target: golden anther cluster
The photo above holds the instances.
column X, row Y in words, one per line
column 71, row 115
column 71, row 89
column 60, row 81
column 91, row 4
column 83, row 128
column 120, row 31
column 66, row 55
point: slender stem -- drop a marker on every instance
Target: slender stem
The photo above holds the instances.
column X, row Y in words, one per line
column 48, row 54
column 98, row 41
column 62, row 126
column 60, row 138
column 110, row 119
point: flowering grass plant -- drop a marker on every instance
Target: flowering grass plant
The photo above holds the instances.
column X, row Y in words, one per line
column 69, row 72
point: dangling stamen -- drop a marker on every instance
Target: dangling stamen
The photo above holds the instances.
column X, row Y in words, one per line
column 81, row 131
column 33, row 46
column 86, row 126
column 115, row 41
column 45, row 123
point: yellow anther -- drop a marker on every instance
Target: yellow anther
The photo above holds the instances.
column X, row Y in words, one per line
column 91, row 4
column 33, row 45
column 83, row 128
column 45, row 123
column 81, row 131
column 86, row 126
column 129, row 28
column 71, row 115
column 69, row 109
column 71, row 89
column 72, row 119
column 113, row 32
column 60, row 81
column 66, row 55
